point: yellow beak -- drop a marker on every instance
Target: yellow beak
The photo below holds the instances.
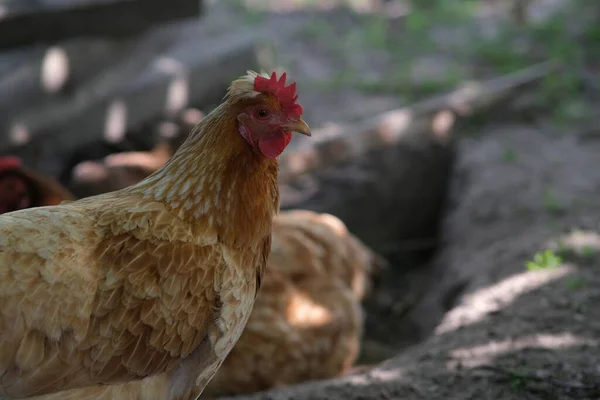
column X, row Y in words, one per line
column 299, row 126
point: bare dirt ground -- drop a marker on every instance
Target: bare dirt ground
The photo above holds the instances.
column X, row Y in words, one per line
column 475, row 322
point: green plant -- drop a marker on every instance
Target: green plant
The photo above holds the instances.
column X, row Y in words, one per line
column 516, row 383
column 544, row 260
column 509, row 155
column 252, row 15
column 375, row 31
column 551, row 202
column 588, row 252
column 500, row 53
column 575, row 283
column 317, row 29
column 417, row 22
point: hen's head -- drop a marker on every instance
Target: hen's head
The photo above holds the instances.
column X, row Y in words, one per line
column 267, row 112
column 16, row 192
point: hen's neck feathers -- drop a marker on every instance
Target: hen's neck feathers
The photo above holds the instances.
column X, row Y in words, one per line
column 216, row 179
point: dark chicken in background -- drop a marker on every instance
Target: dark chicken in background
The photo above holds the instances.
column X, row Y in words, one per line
column 21, row 187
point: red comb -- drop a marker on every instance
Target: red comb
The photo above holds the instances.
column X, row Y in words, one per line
column 9, row 162
column 285, row 94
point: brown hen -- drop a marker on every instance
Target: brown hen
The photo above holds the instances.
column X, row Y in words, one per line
column 141, row 293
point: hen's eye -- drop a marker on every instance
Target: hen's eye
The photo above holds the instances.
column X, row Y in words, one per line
column 262, row 113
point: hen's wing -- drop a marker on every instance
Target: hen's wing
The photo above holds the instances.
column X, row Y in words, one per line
column 88, row 295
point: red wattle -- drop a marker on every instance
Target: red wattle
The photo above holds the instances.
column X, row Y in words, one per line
column 274, row 145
